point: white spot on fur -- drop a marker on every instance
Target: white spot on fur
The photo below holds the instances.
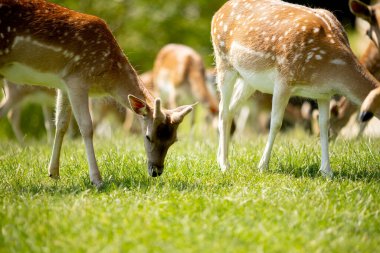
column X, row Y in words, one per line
column 318, row 57
column 338, row 62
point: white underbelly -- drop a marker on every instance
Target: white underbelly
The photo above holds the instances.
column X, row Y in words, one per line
column 261, row 81
column 22, row 74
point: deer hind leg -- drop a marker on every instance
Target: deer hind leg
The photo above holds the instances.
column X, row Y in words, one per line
column 324, row 110
column 80, row 105
column 281, row 95
column 62, row 119
column 226, row 81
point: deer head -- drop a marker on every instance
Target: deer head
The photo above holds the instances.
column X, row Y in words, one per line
column 369, row 13
column 160, row 129
column 371, row 106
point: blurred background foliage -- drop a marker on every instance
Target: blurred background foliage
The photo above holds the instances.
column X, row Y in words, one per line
column 142, row 27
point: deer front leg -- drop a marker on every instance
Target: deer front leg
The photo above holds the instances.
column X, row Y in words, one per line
column 80, row 106
column 62, row 119
column 324, row 110
column 281, row 95
column 226, row 82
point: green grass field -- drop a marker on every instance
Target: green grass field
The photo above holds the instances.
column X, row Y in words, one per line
column 193, row 207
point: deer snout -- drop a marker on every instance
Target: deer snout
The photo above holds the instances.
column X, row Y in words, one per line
column 365, row 116
column 155, row 170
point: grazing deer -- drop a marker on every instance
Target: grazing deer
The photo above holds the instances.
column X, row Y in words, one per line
column 371, row 14
column 286, row 50
column 15, row 94
column 179, row 76
column 42, row 43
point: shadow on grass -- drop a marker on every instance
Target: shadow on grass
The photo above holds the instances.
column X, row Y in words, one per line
column 312, row 171
column 132, row 182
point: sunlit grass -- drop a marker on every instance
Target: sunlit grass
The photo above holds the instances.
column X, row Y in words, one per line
column 192, row 207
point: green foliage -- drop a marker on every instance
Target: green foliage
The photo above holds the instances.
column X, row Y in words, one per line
column 193, row 207
column 142, row 27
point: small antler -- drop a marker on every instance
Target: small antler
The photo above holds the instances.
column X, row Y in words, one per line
column 157, row 112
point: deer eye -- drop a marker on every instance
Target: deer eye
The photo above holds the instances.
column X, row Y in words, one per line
column 148, row 138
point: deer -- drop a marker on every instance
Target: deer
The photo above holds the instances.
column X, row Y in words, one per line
column 286, row 50
column 15, row 95
column 371, row 14
column 46, row 44
column 179, row 75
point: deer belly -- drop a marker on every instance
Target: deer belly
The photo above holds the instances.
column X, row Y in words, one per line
column 22, row 74
column 262, row 81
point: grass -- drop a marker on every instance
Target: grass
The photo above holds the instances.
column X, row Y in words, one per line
column 192, row 207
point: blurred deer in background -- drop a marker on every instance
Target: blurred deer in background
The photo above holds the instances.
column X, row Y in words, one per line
column 80, row 57
column 286, row 50
column 15, row 95
column 179, row 76
column 371, row 14
column 102, row 108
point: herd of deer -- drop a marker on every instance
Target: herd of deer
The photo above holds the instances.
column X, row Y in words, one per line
column 261, row 47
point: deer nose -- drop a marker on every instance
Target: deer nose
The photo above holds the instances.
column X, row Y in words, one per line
column 365, row 116
column 155, row 170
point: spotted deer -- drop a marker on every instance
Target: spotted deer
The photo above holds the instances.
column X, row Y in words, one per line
column 179, row 76
column 286, row 50
column 371, row 14
column 46, row 44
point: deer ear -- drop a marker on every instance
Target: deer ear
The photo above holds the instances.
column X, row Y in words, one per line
column 360, row 9
column 179, row 113
column 138, row 105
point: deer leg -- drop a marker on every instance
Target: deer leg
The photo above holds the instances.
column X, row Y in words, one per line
column 9, row 101
column 129, row 117
column 362, row 127
column 63, row 114
column 49, row 126
column 281, row 95
column 14, row 117
column 226, row 81
column 324, row 110
column 80, row 106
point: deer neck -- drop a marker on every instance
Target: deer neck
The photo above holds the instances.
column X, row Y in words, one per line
column 371, row 60
column 128, row 83
column 357, row 84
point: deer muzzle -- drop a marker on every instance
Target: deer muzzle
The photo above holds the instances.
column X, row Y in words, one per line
column 155, row 170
